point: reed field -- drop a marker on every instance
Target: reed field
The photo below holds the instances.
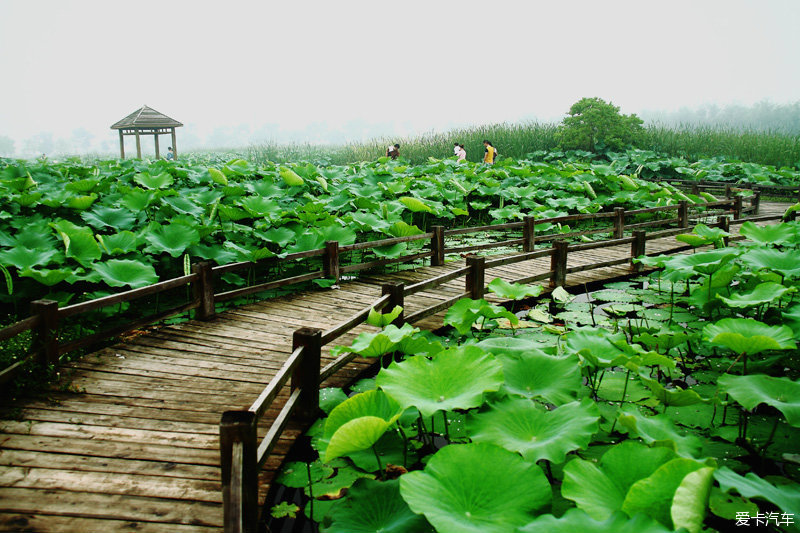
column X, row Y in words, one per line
column 518, row 140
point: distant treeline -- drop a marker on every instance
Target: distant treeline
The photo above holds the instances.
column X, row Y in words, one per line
column 761, row 117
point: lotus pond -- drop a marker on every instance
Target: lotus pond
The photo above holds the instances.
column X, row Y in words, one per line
column 667, row 402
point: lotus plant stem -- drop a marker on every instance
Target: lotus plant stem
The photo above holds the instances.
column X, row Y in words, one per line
column 378, row 458
column 446, row 426
column 622, row 401
column 310, row 489
column 423, row 432
column 405, row 445
column 725, row 409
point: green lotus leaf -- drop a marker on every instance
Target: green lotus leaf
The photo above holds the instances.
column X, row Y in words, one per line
column 750, row 391
column 690, row 502
column 455, row 496
column 577, row 521
column 415, row 204
column 47, row 276
column 535, row 374
column 389, row 448
column 366, row 221
column 375, row 506
column 217, row 253
column 377, row 344
column 379, row 320
column 785, row 496
column 763, row 293
column 137, row 200
column 421, row 343
column 172, row 238
column 109, row 217
column 509, row 347
column 658, row 430
column 84, row 185
column 454, row 379
column 513, row 291
column 121, row 272
column 774, row 234
column 295, row 473
column 519, row 425
column 311, row 239
column 600, row 489
column 159, row 181
column 79, row 242
column 465, row 312
column 330, row 397
column 28, row 199
column 702, row 262
column 231, row 213
column 745, row 335
column 727, row 505
column 184, row 205
column 119, row 243
column 402, row 229
column 280, row 236
column 36, row 236
column 81, row 202
column 338, row 233
column 596, row 347
column 26, row 258
column 358, row 423
column 786, row 263
column 258, row 206
column 290, row 177
column 675, row 397
column 217, row 176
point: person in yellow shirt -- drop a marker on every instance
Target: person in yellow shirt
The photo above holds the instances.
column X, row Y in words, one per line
column 489, row 153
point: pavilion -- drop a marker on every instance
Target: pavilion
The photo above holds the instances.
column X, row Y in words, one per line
column 146, row 121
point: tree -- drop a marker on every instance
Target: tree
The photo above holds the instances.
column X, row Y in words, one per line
column 6, row 146
column 595, row 124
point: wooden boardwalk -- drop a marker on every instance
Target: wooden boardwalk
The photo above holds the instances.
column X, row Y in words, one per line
column 134, row 444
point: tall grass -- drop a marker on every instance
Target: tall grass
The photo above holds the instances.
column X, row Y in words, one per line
column 517, row 140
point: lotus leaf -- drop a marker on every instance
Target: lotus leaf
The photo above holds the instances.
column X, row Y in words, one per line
column 184, row 205
column 780, row 392
column 453, row 494
column 785, row 496
column 774, row 234
column 358, row 423
column 763, row 293
column 172, row 238
column 47, row 276
column 454, row 379
column 119, row 243
column 375, row 506
column 577, row 521
column 703, row 262
column 658, row 431
column 745, row 335
column 672, row 396
column 79, row 242
column 108, row 217
column 786, row 263
column 513, row 291
column 536, row 433
column 377, row 344
column 121, row 272
column 534, row 374
column 159, row 181
column 290, row 177
column 26, row 258
column 379, row 320
column 330, row 397
column 463, row 314
column 295, row 474
column 217, row 176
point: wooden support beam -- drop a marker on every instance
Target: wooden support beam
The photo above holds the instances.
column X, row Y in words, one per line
column 174, row 144
column 331, row 260
column 528, row 234
column 737, row 207
column 155, row 139
column 396, row 292
column 724, row 223
column 238, row 448
column 476, row 277
column 755, row 201
column 121, row 145
column 437, row 246
column 45, row 335
column 138, row 145
column 558, row 264
column 619, row 222
column 204, row 290
column 683, row 214
column 306, row 374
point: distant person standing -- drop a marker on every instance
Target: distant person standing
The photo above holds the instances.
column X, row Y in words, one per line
column 461, row 153
column 393, row 151
column 489, row 153
column 170, row 154
column 456, row 148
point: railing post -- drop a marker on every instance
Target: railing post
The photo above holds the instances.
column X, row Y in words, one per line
column 724, row 223
column 737, row 207
column 683, row 214
column 437, row 246
column 396, row 292
column 238, row 450
column 558, row 264
column 755, row 201
column 695, row 189
column 306, row 373
column 45, row 336
column 204, row 290
column 619, row 222
column 727, row 190
column 332, row 260
column 476, row 280
column 637, row 248
column 528, row 234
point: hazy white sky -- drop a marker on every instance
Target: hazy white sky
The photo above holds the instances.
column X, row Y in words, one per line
column 418, row 64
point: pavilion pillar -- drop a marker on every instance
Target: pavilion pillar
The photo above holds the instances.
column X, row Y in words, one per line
column 138, row 145
column 121, row 145
column 155, row 138
column 174, row 144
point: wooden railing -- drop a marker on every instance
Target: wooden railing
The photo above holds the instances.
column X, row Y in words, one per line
column 46, row 316
column 242, row 455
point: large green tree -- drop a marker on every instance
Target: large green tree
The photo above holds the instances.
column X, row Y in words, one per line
column 594, row 123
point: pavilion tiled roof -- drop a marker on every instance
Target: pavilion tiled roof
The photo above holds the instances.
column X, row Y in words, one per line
column 146, row 117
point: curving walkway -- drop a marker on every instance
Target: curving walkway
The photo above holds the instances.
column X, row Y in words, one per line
column 134, row 446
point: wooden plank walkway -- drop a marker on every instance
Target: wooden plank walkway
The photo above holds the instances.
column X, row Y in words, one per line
column 134, row 446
